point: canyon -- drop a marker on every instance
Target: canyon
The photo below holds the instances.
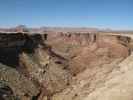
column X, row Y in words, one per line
column 66, row 65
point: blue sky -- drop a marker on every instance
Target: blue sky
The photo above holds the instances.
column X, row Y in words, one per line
column 115, row 14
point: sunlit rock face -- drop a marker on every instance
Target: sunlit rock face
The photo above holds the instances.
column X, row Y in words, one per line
column 92, row 61
column 43, row 68
column 66, row 66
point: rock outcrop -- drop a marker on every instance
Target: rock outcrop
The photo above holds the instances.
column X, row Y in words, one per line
column 19, row 84
column 43, row 68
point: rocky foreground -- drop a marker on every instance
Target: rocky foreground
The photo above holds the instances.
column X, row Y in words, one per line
column 66, row 66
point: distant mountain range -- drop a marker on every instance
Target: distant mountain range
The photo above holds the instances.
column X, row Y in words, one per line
column 23, row 28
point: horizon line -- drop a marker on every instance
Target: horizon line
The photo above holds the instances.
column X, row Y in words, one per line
column 78, row 27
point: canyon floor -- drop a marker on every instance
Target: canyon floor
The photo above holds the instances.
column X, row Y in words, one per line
column 66, row 66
